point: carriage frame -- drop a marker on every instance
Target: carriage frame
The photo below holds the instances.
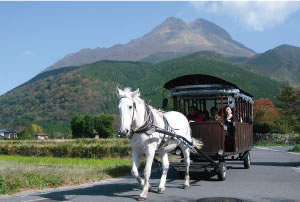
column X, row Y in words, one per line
column 204, row 91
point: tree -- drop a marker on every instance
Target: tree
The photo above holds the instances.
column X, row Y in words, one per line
column 289, row 98
column 265, row 116
column 77, row 126
column 88, row 126
column 30, row 131
column 104, row 125
column 265, row 111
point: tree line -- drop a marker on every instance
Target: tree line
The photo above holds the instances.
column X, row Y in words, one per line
column 88, row 126
column 282, row 118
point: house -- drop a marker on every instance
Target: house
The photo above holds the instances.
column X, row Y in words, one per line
column 8, row 133
column 41, row 136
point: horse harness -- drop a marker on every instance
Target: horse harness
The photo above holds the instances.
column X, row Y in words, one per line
column 149, row 124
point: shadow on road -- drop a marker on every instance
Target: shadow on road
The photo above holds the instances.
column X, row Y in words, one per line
column 122, row 188
column 278, row 164
column 111, row 190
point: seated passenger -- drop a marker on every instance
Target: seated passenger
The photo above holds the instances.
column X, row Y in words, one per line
column 214, row 114
column 195, row 115
column 206, row 115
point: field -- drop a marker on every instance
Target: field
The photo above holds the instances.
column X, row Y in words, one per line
column 76, row 148
column 19, row 173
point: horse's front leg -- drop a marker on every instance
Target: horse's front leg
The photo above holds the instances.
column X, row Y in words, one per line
column 150, row 152
column 136, row 162
column 165, row 167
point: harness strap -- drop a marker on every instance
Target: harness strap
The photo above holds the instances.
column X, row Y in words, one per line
column 148, row 124
column 167, row 128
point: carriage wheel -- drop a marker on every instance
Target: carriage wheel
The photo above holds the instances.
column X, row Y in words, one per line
column 221, row 171
column 247, row 160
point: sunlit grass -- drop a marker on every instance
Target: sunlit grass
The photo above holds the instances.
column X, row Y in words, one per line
column 19, row 173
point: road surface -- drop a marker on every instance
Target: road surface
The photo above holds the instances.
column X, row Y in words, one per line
column 273, row 176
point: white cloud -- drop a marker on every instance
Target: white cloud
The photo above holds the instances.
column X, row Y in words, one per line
column 255, row 15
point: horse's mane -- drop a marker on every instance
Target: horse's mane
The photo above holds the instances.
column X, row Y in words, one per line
column 128, row 93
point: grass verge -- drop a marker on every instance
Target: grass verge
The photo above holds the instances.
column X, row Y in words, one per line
column 19, row 173
column 296, row 148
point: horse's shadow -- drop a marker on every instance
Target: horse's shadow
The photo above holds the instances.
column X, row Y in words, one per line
column 110, row 190
column 127, row 187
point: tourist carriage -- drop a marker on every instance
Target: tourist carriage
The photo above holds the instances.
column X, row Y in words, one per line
column 204, row 92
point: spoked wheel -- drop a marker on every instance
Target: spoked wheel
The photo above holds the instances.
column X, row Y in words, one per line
column 247, row 160
column 221, row 171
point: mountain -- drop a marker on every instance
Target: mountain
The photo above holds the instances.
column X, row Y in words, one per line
column 170, row 39
column 281, row 63
column 53, row 97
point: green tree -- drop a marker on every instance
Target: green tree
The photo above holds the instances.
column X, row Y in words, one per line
column 289, row 98
column 104, row 125
column 77, row 126
column 82, row 126
column 88, row 126
column 30, row 131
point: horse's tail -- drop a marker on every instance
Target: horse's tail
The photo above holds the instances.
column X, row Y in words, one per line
column 196, row 142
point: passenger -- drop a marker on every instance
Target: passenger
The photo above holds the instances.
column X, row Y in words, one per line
column 206, row 115
column 228, row 123
column 195, row 115
column 214, row 114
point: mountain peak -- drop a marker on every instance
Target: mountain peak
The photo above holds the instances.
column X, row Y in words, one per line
column 208, row 27
column 172, row 37
column 172, row 23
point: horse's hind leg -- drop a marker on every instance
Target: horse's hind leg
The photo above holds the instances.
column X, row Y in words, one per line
column 186, row 153
column 136, row 162
column 165, row 167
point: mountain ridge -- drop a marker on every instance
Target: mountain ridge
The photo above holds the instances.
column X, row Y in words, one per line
column 173, row 35
column 281, row 63
column 53, row 97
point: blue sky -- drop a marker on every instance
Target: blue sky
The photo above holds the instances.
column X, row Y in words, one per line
column 34, row 35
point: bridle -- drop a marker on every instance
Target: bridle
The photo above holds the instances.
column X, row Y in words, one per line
column 148, row 123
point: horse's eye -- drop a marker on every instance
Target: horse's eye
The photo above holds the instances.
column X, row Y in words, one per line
column 130, row 107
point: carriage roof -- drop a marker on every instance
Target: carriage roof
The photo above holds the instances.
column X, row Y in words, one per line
column 205, row 86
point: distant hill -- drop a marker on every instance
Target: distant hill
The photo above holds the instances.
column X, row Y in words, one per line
column 170, row 39
column 53, row 97
column 281, row 63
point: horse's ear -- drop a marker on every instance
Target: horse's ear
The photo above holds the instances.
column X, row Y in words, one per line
column 136, row 93
column 118, row 92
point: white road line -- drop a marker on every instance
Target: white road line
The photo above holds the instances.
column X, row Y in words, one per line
column 36, row 200
column 268, row 149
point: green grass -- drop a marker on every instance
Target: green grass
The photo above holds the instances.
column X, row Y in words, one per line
column 296, row 148
column 18, row 173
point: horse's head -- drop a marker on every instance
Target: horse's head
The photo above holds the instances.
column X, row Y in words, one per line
column 127, row 109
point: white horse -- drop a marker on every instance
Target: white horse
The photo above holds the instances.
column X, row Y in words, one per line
column 136, row 119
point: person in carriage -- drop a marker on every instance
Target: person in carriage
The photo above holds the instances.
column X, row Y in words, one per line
column 195, row 115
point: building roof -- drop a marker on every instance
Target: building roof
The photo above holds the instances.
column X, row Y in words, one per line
column 41, row 134
column 8, row 131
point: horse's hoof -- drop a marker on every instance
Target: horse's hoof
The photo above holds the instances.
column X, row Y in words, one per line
column 186, row 186
column 161, row 190
column 142, row 198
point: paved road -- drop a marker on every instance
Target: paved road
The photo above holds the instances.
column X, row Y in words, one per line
column 273, row 176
